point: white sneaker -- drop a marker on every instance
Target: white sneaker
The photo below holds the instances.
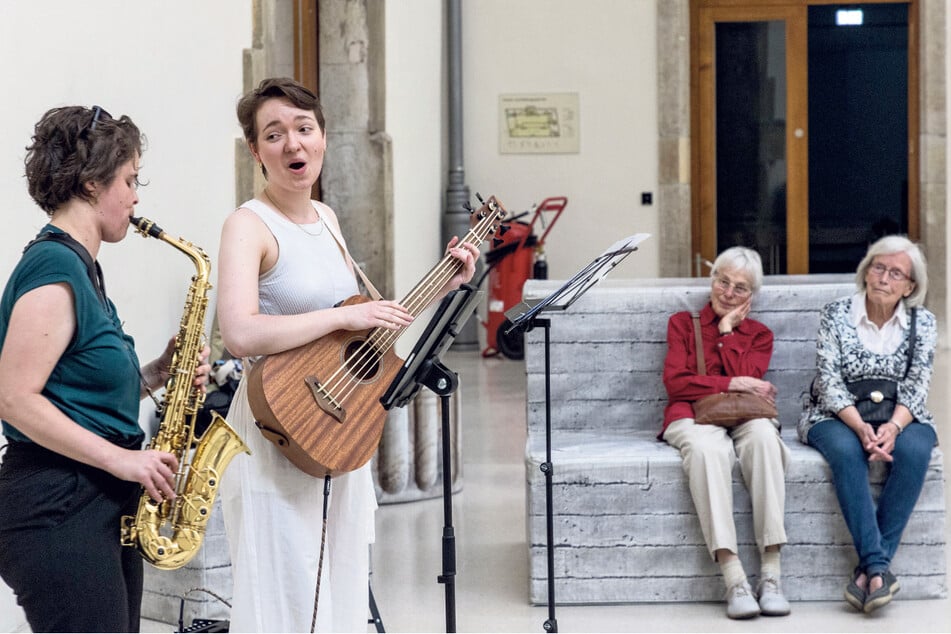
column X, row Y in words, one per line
column 771, row 599
column 740, row 603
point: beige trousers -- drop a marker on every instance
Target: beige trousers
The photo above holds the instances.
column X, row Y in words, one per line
column 709, row 453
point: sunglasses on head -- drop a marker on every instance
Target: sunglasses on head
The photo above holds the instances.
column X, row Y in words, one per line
column 97, row 113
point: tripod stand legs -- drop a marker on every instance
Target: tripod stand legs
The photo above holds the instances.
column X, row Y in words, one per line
column 551, row 624
column 448, row 576
column 375, row 613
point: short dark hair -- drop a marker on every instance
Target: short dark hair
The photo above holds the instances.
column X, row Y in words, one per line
column 275, row 87
column 69, row 150
column 280, row 87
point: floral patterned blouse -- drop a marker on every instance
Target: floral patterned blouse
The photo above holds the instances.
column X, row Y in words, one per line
column 842, row 358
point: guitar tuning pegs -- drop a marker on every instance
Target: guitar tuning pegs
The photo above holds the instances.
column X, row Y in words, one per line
column 503, row 229
column 496, row 242
column 468, row 206
column 479, row 196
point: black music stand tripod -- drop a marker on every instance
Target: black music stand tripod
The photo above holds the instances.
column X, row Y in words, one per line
column 526, row 318
column 424, row 368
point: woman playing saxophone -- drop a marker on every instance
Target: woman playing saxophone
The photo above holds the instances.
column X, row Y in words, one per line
column 70, row 385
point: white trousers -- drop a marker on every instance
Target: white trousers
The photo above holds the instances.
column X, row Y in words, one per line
column 709, row 453
column 273, row 515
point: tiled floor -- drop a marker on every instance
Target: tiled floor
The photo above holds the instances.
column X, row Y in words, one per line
column 491, row 584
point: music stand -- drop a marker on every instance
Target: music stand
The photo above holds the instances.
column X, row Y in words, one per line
column 424, row 368
column 526, row 317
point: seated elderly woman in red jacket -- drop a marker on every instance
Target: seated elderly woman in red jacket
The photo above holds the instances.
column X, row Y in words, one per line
column 736, row 352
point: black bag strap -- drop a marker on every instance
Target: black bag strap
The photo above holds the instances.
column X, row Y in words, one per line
column 911, row 340
column 93, row 270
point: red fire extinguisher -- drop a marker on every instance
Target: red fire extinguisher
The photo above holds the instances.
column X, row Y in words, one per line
column 517, row 256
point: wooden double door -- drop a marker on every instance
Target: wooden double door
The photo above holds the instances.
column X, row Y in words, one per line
column 804, row 124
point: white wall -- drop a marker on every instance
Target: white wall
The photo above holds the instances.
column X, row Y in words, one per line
column 604, row 50
column 175, row 68
column 415, row 59
column 529, row 46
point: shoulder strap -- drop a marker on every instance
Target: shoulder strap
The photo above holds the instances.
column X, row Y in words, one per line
column 93, row 269
column 701, row 363
column 375, row 294
column 911, row 339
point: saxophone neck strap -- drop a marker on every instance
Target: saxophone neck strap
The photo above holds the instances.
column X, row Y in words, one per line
column 93, row 270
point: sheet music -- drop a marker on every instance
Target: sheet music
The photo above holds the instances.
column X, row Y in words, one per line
column 578, row 285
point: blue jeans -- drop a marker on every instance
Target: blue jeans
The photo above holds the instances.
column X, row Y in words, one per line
column 875, row 533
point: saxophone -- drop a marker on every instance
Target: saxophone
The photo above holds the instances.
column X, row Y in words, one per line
column 169, row 533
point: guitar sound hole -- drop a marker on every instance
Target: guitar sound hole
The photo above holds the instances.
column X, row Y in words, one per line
column 363, row 361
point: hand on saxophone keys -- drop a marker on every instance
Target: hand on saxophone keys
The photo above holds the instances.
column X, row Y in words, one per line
column 154, row 470
column 203, row 371
column 156, row 373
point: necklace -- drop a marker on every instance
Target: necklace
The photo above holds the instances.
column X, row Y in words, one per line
column 319, row 222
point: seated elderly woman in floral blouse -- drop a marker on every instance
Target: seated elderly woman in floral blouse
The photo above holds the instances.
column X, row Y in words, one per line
column 881, row 332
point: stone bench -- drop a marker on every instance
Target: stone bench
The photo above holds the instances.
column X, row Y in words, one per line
column 625, row 529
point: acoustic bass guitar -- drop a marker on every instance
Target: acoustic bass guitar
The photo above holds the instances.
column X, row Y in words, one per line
column 320, row 403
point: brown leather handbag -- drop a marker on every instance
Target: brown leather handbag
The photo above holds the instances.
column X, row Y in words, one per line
column 726, row 409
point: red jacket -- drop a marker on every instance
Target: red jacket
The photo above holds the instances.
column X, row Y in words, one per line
column 746, row 352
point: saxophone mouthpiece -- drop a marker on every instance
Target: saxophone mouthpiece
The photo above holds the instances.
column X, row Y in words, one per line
column 146, row 227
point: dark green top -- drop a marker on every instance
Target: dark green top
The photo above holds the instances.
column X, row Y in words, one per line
column 96, row 381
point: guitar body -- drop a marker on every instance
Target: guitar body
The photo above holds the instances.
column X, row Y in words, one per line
column 284, row 391
column 320, row 403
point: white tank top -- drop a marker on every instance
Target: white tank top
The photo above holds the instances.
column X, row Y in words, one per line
column 311, row 272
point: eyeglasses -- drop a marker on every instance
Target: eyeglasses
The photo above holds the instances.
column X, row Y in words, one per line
column 895, row 275
column 96, row 113
column 740, row 290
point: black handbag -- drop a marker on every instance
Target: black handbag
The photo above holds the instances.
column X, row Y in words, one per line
column 876, row 398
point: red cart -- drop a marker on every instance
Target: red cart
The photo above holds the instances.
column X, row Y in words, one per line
column 517, row 256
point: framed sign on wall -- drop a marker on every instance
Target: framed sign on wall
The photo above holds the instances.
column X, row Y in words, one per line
column 544, row 123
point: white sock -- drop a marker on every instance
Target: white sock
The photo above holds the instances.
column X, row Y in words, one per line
column 733, row 573
column 770, row 567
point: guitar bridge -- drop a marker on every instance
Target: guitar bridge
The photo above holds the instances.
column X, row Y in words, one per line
column 324, row 400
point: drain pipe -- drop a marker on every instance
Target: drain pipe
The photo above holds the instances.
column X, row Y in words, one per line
column 456, row 219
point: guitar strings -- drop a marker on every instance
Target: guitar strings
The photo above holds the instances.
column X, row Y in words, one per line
column 380, row 340
column 441, row 274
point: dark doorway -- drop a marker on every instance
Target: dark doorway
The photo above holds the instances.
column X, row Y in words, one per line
column 858, row 141
column 806, row 130
column 751, row 139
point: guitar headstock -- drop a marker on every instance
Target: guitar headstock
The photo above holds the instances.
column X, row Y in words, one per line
column 487, row 219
